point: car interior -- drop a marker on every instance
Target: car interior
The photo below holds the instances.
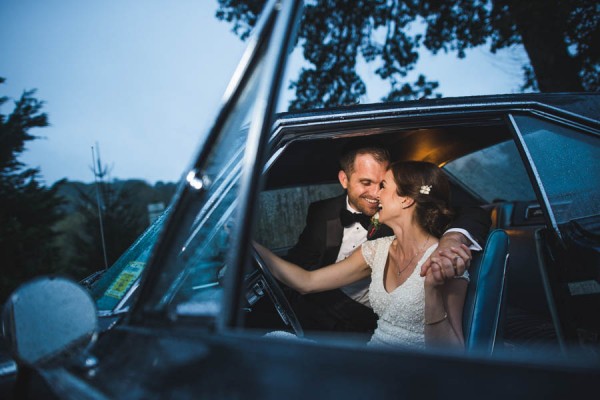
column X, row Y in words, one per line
column 520, row 310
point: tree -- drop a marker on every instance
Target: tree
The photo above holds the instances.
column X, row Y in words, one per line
column 561, row 38
column 125, row 215
column 28, row 209
column 123, row 219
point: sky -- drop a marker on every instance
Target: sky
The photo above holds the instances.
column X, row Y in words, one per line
column 141, row 80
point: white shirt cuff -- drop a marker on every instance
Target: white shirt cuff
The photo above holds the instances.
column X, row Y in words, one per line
column 474, row 245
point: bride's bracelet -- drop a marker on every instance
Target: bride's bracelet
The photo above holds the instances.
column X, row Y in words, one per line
column 438, row 321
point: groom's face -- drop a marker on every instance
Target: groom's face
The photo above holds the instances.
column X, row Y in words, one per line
column 362, row 184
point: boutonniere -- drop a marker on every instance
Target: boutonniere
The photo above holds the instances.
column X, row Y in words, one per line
column 375, row 224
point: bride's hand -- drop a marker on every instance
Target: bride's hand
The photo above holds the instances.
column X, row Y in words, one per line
column 435, row 276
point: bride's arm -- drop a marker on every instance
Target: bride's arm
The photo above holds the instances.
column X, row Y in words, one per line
column 333, row 276
column 443, row 311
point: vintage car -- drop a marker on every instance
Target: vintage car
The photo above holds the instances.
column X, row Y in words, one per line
column 179, row 303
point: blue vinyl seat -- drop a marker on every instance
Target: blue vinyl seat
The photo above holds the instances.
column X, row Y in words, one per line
column 484, row 304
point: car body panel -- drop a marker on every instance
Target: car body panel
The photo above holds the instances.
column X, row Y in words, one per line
column 184, row 364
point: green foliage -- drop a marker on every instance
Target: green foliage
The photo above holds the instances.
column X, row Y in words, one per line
column 583, row 26
column 560, row 37
column 28, row 209
column 121, row 225
column 243, row 14
column 56, row 230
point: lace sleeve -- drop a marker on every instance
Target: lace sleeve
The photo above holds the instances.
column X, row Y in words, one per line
column 368, row 251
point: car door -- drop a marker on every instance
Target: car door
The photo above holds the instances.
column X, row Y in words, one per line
column 563, row 159
column 202, row 249
column 209, row 225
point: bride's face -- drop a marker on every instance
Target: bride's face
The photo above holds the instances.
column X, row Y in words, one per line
column 390, row 203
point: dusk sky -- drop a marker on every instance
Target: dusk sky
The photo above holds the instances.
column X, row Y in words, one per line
column 143, row 78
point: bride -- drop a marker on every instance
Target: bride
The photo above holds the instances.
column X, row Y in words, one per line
column 413, row 310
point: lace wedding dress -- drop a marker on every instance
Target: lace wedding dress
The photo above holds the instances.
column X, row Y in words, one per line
column 401, row 312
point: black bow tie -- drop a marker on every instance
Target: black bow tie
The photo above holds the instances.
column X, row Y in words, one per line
column 348, row 218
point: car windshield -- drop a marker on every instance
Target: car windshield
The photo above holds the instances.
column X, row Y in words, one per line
column 113, row 290
column 187, row 275
column 194, row 288
column 204, row 251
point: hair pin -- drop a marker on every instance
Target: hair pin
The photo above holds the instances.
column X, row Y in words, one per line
column 425, row 189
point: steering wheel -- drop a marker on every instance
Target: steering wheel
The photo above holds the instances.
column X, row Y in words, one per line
column 282, row 305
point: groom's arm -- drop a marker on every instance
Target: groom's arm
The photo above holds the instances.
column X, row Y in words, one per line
column 468, row 231
column 474, row 224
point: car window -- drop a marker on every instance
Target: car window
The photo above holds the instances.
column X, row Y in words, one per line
column 209, row 226
column 495, row 173
column 282, row 213
column 197, row 268
column 568, row 164
column 111, row 289
column 205, row 248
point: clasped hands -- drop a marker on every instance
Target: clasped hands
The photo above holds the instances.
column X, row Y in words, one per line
column 451, row 258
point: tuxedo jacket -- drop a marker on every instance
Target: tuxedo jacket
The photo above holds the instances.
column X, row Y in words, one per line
column 320, row 241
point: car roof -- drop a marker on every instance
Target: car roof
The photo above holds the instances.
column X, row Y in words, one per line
column 585, row 105
column 435, row 130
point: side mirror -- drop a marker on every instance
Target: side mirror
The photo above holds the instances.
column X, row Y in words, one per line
column 48, row 316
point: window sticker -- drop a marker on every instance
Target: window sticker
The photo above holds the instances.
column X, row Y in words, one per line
column 125, row 279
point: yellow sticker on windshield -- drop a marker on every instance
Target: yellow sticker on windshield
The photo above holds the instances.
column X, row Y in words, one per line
column 125, row 279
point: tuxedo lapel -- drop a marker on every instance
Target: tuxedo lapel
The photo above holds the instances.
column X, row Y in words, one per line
column 334, row 231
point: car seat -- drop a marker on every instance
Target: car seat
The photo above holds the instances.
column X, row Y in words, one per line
column 484, row 304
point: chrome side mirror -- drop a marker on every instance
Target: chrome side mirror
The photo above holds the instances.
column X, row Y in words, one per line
column 48, row 316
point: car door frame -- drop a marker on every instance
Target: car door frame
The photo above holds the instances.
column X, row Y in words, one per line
column 265, row 56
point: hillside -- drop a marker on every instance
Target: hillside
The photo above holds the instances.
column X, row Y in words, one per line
column 145, row 193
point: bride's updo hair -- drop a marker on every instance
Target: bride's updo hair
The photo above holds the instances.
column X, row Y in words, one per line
column 429, row 187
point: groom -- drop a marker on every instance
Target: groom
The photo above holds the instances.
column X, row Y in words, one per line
column 336, row 227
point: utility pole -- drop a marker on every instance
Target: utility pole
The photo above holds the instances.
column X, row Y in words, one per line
column 99, row 176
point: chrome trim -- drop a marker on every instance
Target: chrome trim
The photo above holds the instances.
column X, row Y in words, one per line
column 197, row 181
column 280, row 40
column 426, row 110
column 522, row 146
column 8, row 368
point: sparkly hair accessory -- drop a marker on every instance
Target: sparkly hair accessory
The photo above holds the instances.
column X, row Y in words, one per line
column 425, row 189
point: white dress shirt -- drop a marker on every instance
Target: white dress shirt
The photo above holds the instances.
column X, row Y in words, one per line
column 353, row 237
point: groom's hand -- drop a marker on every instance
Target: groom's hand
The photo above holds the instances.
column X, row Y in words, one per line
column 452, row 255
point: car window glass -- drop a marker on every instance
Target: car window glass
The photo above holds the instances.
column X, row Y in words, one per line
column 195, row 288
column 114, row 284
column 282, row 213
column 208, row 227
column 568, row 164
column 191, row 282
column 495, row 173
